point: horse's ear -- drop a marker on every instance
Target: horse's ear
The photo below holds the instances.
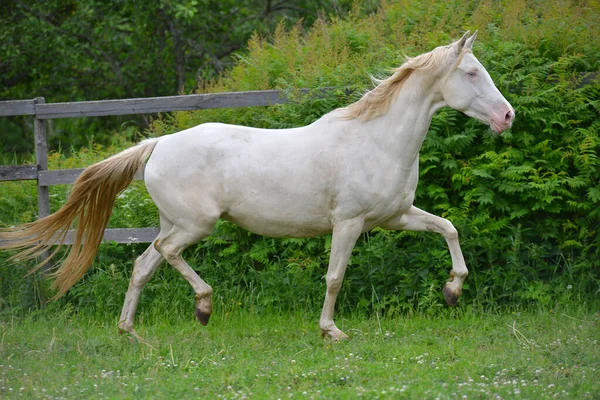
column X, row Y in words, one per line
column 458, row 46
column 469, row 42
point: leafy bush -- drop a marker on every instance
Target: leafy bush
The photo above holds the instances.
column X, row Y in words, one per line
column 526, row 203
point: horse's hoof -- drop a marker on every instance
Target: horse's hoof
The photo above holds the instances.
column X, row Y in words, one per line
column 334, row 334
column 202, row 316
column 132, row 335
column 449, row 296
column 203, row 307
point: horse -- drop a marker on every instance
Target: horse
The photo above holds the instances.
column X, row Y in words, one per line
column 354, row 169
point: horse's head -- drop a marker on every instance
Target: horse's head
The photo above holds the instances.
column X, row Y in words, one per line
column 469, row 88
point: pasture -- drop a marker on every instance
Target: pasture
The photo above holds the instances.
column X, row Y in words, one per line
column 458, row 353
column 525, row 205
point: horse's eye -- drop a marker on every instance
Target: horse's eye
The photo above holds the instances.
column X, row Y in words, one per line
column 472, row 74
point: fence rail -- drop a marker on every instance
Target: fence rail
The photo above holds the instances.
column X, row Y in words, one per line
column 43, row 111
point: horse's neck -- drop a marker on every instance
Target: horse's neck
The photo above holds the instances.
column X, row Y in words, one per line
column 401, row 131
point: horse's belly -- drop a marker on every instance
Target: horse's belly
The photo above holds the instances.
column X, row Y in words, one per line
column 269, row 224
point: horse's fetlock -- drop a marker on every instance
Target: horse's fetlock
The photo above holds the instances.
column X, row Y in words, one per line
column 125, row 327
column 207, row 293
column 460, row 275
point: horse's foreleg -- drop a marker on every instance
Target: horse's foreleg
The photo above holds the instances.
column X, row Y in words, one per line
column 171, row 246
column 143, row 269
column 418, row 220
column 344, row 237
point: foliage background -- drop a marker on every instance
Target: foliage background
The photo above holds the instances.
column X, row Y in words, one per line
column 525, row 203
column 78, row 50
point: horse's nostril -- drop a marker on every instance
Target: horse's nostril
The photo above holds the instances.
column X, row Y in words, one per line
column 509, row 116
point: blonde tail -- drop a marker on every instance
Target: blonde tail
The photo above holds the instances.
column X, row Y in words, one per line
column 90, row 203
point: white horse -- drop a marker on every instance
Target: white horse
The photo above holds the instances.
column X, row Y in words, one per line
column 354, row 169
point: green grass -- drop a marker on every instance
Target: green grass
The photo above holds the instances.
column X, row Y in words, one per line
column 463, row 352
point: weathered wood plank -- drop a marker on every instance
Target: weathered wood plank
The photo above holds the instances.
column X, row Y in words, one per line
column 41, row 158
column 131, row 235
column 18, row 172
column 58, row 177
column 67, row 176
column 160, row 104
column 124, row 235
column 16, row 107
column 588, row 79
column 119, row 235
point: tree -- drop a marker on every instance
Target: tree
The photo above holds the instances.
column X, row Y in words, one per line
column 67, row 50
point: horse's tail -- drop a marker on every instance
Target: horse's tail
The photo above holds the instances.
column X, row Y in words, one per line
column 90, row 203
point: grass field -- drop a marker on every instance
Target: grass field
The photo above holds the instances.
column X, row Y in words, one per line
column 462, row 353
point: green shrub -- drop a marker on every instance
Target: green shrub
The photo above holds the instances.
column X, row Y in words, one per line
column 526, row 203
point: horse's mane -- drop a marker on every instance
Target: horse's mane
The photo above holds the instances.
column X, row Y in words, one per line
column 377, row 101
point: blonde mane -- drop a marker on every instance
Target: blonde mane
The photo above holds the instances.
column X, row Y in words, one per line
column 377, row 101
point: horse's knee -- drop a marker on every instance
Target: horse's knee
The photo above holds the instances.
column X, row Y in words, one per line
column 140, row 278
column 169, row 252
column 158, row 246
column 144, row 267
column 171, row 245
column 334, row 282
column 448, row 230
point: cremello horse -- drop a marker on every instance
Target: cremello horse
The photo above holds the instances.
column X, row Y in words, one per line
column 354, row 169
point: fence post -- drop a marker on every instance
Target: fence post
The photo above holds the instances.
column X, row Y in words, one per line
column 41, row 159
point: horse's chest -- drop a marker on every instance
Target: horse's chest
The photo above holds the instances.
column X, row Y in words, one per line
column 389, row 203
column 380, row 197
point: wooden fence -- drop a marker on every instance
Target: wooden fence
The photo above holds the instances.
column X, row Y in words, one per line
column 43, row 111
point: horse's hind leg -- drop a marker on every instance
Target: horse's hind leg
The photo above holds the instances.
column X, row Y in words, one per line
column 418, row 220
column 143, row 269
column 171, row 246
column 344, row 237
